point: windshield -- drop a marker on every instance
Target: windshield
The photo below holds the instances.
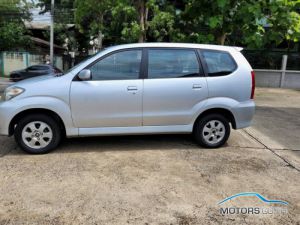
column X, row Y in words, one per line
column 83, row 61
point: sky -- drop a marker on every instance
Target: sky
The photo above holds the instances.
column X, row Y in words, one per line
column 36, row 17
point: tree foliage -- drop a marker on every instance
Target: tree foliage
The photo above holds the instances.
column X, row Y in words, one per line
column 251, row 23
column 63, row 18
column 12, row 29
column 255, row 23
column 91, row 16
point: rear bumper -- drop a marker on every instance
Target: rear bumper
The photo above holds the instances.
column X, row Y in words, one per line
column 243, row 114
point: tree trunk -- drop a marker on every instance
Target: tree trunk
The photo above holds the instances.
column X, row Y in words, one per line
column 100, row 34
column 143, row 14
column 221, row 38
column 100, row 40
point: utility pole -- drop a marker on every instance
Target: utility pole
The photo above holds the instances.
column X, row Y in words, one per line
column 52, row 33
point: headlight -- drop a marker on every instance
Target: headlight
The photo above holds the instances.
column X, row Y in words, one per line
column 12, row 92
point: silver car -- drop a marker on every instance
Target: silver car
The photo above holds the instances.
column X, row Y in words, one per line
column 149, row 88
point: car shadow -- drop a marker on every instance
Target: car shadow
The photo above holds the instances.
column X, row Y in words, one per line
column 127, row 143
column 163, row 142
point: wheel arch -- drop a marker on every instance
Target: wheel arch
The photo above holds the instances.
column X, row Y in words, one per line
column 222, row 111
column 43, row 111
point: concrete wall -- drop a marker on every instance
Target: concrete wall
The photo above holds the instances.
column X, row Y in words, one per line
column 277, row 78
column 292, row 79
column 35, row 59
column 59, row 62
column 11, row 61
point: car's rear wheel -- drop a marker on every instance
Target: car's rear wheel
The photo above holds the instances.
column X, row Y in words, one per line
column 212, row 131
column 38, row 134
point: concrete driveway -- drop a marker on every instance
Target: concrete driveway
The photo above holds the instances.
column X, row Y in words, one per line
column 160, row 179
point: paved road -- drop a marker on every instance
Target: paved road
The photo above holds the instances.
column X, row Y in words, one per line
column 159, row 179
column 277, row 122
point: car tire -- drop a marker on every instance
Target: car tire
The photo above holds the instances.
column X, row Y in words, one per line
column 211, row 131
column 38, row 134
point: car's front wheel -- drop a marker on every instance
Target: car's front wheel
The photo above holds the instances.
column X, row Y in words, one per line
column 38, row 133
column 212, row 131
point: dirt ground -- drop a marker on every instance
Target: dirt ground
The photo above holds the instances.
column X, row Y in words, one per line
column 162, row 180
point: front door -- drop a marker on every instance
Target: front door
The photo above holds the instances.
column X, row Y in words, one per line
column 113, row 98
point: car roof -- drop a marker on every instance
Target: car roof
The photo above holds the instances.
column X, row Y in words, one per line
column 175, row 45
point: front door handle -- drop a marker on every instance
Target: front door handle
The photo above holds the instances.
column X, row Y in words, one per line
column 197, row 86
column 132, row 88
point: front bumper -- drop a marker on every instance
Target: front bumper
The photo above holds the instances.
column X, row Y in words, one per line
column 7, row 111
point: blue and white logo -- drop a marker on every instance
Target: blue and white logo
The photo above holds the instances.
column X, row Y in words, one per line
column 262, row 198
column 272, row 208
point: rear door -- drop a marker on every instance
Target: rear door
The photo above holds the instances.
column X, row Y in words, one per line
column 175, row 84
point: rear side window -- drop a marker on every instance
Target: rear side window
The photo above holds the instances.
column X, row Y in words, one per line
column 172, row 63
column 218, row 63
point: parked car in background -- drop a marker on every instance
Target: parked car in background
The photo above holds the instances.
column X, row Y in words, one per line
column 148, row 88
column 33, row 71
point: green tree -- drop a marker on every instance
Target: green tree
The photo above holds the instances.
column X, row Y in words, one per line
column 283, row 22
column 220, row 18
column 253, row 23
column 12, row 28
column 162, row 26
column 214, row 22
column 143, row 20
column 91, row 16
column 63, row 20
column 126, row 20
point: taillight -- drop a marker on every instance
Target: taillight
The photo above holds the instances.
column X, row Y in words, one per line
column 253, row 84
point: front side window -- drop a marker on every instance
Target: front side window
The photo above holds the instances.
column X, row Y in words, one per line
column 172, row 63
column 124, row 65
column 218, row 63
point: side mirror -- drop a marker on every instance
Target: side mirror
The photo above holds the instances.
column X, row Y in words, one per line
column 85, row 75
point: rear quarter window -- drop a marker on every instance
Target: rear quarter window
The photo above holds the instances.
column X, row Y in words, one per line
column 218, row 63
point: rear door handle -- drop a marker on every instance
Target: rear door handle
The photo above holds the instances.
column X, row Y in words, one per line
column 132, row 88
column 197, row 86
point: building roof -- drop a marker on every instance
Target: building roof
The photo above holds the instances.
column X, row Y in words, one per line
column 34, row 25
column 43, row 42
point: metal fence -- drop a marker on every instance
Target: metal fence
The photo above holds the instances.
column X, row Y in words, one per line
column 272, row 60
column 285, row 75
